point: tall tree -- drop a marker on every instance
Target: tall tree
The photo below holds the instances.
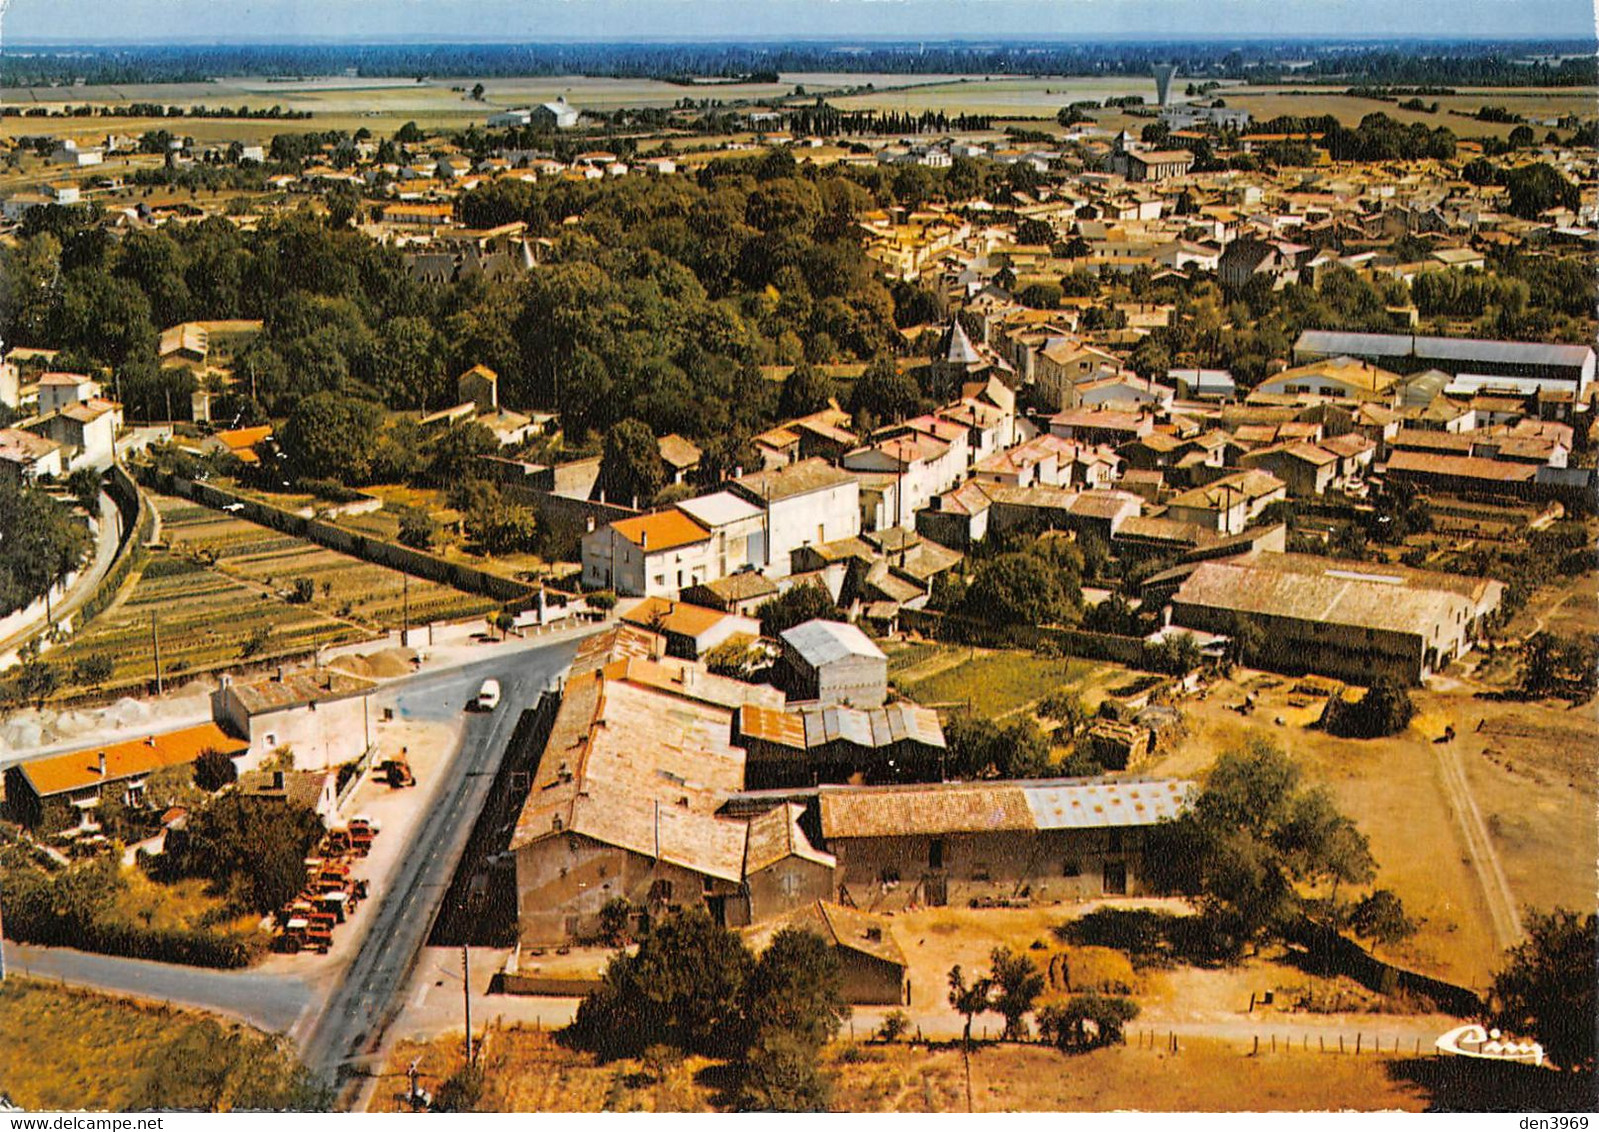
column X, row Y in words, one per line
column 1546, row 987
column 330, row 436
column 1256, row 846
column 806, row 390
column 631, row 470
column 683, row 988
column 1017, row 983
column 796, row 989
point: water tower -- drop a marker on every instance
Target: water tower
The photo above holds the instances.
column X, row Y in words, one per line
column 1163, row 73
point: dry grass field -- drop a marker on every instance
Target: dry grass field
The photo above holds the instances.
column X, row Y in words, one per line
column 68, row 1049
column 1203, row 1076
column 1528, row 773
column 1013, row 97
column 526, row 1071
column 383, row 104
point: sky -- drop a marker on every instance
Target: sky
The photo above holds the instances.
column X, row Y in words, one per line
column 147, row 21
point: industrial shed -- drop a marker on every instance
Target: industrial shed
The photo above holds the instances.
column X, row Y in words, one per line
column 902, row 742
column 1350, row 620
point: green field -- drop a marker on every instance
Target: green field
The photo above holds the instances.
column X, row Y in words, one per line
column 997, row 683
column 224, row 580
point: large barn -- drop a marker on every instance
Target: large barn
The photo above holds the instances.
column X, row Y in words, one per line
column 1352, row 620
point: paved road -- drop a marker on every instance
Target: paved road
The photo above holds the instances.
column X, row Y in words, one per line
column 107, row 539
column 351, row 1025
column 271, row 1002
column 366, row 995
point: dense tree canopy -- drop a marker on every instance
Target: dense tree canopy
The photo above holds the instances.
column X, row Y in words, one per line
column 252, row 851
column 1537, row 187
column 1258, row 847
column 43, row 541
column 331, row 436
column 631, row 471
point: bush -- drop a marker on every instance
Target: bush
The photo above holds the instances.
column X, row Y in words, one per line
column 800, row 604
column 69, row 909
column 616, row 921
column 213, row 770
column 1066, row 708
column 331, row 491
column 683, row 988
column 462, row 1091
column 304, row 590
column 1087, row 1021
column 417, row 529
column 895, row 1024
column 1385, row 709
column 1143, row 934
column 93, row 670
column 782, row 1075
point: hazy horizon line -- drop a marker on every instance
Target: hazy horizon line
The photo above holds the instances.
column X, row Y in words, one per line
column 779, row 38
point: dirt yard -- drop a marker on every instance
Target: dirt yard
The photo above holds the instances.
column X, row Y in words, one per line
column 1468, row 833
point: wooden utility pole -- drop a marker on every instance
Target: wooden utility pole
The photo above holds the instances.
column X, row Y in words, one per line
column 466, row 998
column 155, row 645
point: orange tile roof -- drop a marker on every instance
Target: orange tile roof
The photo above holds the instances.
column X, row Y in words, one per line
column 237, row 438
column 661, row 531
column 127, row 759
column 674, row 616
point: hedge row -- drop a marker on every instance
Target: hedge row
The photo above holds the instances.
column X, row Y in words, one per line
column 27, row 924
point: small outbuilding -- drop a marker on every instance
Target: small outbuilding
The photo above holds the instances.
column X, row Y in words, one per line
column 835, row 663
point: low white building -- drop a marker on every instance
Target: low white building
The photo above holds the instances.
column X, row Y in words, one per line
column 557, row 115
column 87, row 430
column 26, row 457
column 325, row 717
column 1230, row 503
column 901, row 475
column 58, row 390
column 737, row 528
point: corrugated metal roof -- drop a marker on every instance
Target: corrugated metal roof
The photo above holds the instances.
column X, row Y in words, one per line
column 1096, row 804
column 1453, row 349
column 821, row 642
